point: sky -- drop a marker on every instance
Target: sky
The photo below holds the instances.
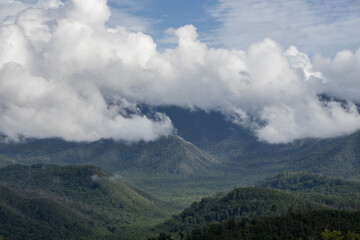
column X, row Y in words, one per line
column 79, row 69
column 324, row 27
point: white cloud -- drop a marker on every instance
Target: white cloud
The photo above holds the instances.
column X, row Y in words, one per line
column 313, row 26
column 43, row 84
column 125, row 13
column 342, row 74
column 10, row 8
column 60, row 68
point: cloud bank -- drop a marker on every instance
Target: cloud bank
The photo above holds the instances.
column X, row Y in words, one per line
column 66, row 74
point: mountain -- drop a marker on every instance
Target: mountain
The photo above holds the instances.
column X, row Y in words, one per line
column 337, row 157
column 77, row 194
column 208, row 154
column 170, row 155
column 203, row 129
column 240, row 149
column 161, row 167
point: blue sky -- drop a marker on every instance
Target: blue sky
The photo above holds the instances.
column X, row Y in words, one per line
column 324, row 27
column 157, row 16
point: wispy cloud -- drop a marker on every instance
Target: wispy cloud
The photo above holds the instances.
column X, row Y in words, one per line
column 128, row 14
column 313, row 26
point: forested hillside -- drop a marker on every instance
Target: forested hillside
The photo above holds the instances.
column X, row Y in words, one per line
column 318, row 224
column 39, row 217
column 85, row 202
column 275, row 196
column 238, row 204
column 83, row 199
column 333, row 192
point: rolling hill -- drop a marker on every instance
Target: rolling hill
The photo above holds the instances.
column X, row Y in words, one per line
column 238, row 204
column 274, row 196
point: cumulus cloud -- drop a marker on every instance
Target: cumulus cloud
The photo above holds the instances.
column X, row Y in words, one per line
column 65, row 74
column 49, row 67
column 342, row 74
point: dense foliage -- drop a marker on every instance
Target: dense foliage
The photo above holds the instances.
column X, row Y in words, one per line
column 274, row 197
column 333, row 192
column 82, row 192
column 317, row 224
column 41, row 218
column 75, row 202
column 237, row 204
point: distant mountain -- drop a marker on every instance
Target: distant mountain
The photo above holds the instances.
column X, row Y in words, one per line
column 208, row 154
column 166, row 156
column 83, row 199
column 333, row 192
column 337, row 157
column 240, row 150
column 162, row 167
column 310, row 183
column 203, row 129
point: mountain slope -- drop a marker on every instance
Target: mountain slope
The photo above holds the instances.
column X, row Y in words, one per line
column 238, row 148
column 310, row 183
column 319, row 224
column 5, row 160
column 41, row 218
column 238, row 204
column 274, row 196
column 336, row 193
column 89, row 191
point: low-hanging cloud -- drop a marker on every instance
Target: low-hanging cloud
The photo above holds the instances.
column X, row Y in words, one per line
column 61, row 66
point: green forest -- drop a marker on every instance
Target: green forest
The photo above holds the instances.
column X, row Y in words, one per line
column 86, row 202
